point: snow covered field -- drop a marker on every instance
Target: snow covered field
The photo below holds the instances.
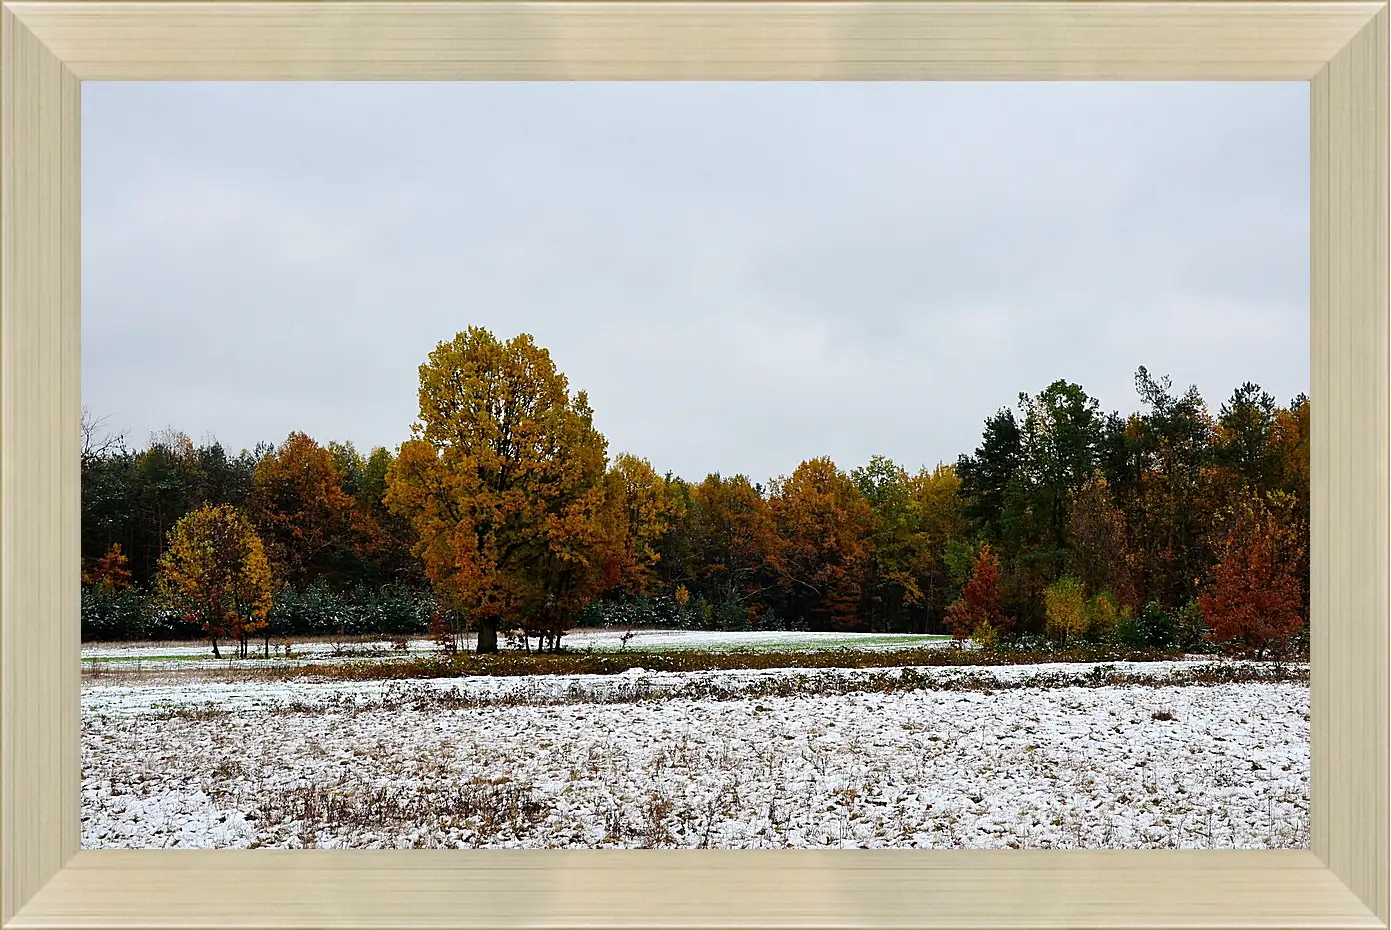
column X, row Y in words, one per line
column 1025, row 756
column 156, row 657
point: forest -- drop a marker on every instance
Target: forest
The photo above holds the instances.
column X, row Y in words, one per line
column 504, row 514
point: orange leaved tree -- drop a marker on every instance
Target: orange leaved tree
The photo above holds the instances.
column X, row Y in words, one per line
column 110, row 573
column 824, row 524
column 300, row 509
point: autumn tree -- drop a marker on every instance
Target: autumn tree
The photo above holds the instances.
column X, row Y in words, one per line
column 675, row 548
column 979, row 604
column 503, row 482
column 214, row 573
column 1255, row 599
column 111, row 604
column 110, row 573
column 1104, row 615
column 733, row 545
column 131, row 497
column 637, row 512
column 940, row 522
column 892, row 583
column 824, row 525
column 1291, row 440
column 1290, row 437
column 1099, row 545
column 1065, row 603
column 300, row 509
column 384, row 541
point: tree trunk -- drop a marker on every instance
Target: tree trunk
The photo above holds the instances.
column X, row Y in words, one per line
column 487, row 635
column 216, row 654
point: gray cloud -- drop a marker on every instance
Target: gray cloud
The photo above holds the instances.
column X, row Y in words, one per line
column 741, row 275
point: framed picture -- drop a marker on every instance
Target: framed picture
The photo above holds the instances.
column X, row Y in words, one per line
column 49, row 49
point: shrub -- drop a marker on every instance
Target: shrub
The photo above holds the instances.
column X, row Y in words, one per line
column 1191, row 631
column 1065, row 606
column 1104, row 614
column 663, row 611
column 394, row 609
column 1152, row 627
column 114, row 614
column 1025, row 644
column 317, row 610
column 985, row 636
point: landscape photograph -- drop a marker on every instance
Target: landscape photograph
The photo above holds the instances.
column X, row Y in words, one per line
column 704, row 466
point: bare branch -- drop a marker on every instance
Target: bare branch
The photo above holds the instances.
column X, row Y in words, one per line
column 97, row 442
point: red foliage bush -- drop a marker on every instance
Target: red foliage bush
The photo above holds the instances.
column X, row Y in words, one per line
column 980, row 599
column 1255, row 600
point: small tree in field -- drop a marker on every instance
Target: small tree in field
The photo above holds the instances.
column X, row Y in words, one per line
column 215, row 573
column 1065, row 606
column 1256, row 597
column 979, row 604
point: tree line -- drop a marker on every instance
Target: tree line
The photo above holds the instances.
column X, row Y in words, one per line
column 504, row 513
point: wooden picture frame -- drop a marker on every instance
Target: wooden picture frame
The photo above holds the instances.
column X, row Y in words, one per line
column 48, row 48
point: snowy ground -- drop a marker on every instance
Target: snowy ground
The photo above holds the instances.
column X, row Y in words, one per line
column 1026, row 756
column 110, row 659
column 170, row 694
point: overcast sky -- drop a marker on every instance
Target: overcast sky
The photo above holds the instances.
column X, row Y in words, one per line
column 742, row 276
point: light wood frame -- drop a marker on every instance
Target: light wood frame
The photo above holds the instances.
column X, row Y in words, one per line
column 48, row 48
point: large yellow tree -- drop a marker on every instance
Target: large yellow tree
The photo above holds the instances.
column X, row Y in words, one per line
column 214, row 573
column 503, row 481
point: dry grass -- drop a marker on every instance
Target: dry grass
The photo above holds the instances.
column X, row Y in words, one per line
column 613, row 663
column 493, row 808
column 810, row 684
